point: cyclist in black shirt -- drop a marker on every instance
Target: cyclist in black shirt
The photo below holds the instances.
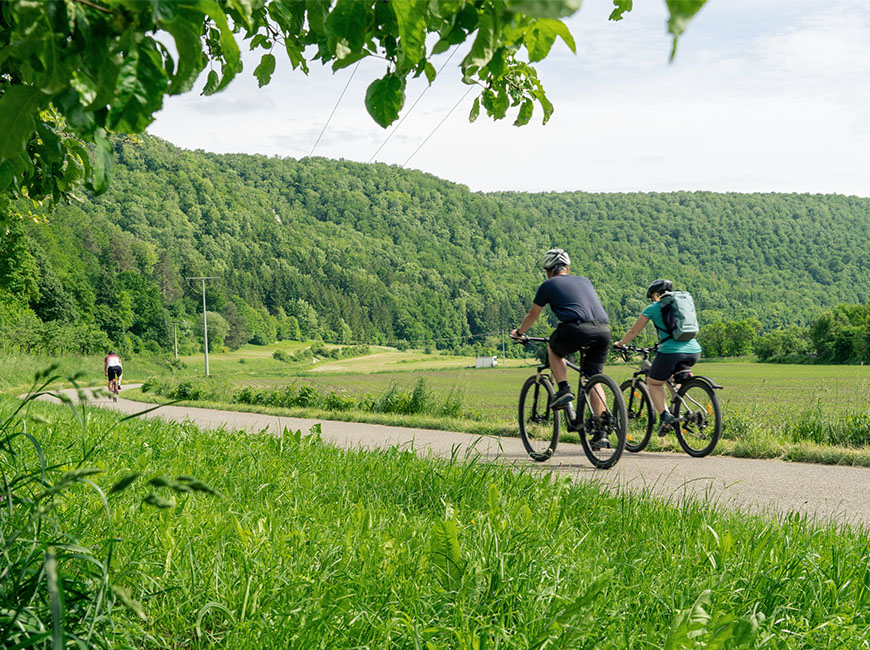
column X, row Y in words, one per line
column 582, row 323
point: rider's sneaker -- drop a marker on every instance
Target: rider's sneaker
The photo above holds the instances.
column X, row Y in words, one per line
column 666, row 423
column 599, row 442
column 563, row 397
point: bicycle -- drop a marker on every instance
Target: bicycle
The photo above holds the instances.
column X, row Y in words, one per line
column 694, row 404
column 602, row 435
column 114, row 388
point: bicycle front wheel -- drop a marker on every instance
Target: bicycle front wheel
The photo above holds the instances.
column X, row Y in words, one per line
column 604, row 421
column 641, row 415
column 697, row 407
column 539, row 424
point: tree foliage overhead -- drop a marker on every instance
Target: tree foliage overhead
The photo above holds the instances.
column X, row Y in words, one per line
column 74, row 71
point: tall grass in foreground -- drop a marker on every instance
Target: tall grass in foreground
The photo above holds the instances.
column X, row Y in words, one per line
column 56, row 576
column 315, row 547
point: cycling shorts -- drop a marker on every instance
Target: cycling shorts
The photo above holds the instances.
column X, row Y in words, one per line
column 593, row 337
column 667, row 363
column 114, row 371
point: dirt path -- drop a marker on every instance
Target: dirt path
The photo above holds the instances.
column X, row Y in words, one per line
column 770, row 487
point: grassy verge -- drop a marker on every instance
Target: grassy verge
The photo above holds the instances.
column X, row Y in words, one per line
column 314, row 547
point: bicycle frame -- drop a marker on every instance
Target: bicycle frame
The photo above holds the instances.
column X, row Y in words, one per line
column 672, row 384
column 573, row 422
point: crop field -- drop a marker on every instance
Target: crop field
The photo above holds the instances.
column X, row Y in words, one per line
column 167, row 537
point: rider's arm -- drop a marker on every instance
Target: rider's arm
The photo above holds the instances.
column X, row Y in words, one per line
column 106, row 366
column 528, row 321
column 636, row 329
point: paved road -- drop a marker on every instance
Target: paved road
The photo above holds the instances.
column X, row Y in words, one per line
column 768, row 487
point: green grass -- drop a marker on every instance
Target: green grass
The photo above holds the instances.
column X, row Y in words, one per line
column 803, row 413
column 315, row 547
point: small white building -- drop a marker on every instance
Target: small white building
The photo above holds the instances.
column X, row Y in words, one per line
column 485, row 362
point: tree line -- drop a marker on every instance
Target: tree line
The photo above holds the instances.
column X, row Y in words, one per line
column 374, row 254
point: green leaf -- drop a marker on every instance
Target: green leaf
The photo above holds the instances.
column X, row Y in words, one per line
column 211, row 83
column 620, row 7
column 525, row 114
column 544, row 8
column 186, row 30
column 349, row 23
column 385, row 98
column 475, row 110
column 541, row 35
column 411, row 18
column 229, row 47
column 141, row 83
column 105, row 160
column 86, row 87
column 429, row 71
column 484, row 44
column 445, row 554
column 681, row 13
column 689, row 623
column 263, row 72
column 19, row 108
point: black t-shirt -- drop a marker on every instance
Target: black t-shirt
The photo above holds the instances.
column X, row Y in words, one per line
column 572, row 298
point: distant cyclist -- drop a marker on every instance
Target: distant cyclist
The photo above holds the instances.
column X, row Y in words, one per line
column 582, row 323
column 112, row 369
column 672, row 356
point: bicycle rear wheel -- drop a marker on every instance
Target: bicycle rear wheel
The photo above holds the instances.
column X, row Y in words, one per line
column 641, row 415
column 539, row 424
column 697, row 406
column 603, row 433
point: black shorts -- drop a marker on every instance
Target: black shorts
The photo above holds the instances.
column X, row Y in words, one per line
column 667, row 363
column 594, row 337
column 114, row 371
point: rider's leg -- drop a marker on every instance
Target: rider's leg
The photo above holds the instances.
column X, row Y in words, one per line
column 558, row 366
column 657, row 394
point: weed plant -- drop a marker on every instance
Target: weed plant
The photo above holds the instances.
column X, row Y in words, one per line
column 315, row 547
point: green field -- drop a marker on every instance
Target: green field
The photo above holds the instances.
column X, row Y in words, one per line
column 810, row 413
column 309, row 546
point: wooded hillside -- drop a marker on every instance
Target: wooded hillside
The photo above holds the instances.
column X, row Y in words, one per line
column 350, row 252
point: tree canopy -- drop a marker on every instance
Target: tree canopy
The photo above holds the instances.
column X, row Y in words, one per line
column 358, row 253
column 74, row 71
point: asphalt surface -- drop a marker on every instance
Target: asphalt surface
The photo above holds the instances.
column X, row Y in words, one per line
column 824, row 493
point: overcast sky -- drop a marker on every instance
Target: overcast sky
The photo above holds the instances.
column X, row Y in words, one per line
column 764, row 96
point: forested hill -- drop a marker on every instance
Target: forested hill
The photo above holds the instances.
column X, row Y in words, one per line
column 371, row 253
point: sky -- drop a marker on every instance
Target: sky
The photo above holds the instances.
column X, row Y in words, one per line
column 763, row 96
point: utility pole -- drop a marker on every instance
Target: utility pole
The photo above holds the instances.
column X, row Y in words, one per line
column 204, row 318
column 175, row 337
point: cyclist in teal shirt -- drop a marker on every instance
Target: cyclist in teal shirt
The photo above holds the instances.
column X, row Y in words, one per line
column 673, row 356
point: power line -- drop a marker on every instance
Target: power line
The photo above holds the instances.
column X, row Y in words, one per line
column 439, row 126
column 334, row 109
column 412, row 107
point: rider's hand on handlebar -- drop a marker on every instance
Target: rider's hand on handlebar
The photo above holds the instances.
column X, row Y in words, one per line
column 516, row 336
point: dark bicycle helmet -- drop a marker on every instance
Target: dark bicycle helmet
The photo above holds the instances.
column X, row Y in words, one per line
column 659, row 286
column 555, row 257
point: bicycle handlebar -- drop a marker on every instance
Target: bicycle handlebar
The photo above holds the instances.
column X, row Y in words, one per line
column 525, row 340
column 645, row 352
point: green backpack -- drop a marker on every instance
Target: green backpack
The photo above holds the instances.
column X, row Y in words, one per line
column 679, row 315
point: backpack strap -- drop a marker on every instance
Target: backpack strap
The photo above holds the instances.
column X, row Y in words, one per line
column 668, row 334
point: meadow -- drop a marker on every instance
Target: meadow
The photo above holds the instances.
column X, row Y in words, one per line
column 813, row 413
column 150, row 534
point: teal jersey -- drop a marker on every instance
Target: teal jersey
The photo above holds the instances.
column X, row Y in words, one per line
column 653, row 311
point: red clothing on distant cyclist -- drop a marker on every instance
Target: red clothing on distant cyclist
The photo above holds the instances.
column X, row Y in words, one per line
column 112, row 361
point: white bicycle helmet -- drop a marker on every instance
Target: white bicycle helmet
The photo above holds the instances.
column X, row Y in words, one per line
column 555, row 257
